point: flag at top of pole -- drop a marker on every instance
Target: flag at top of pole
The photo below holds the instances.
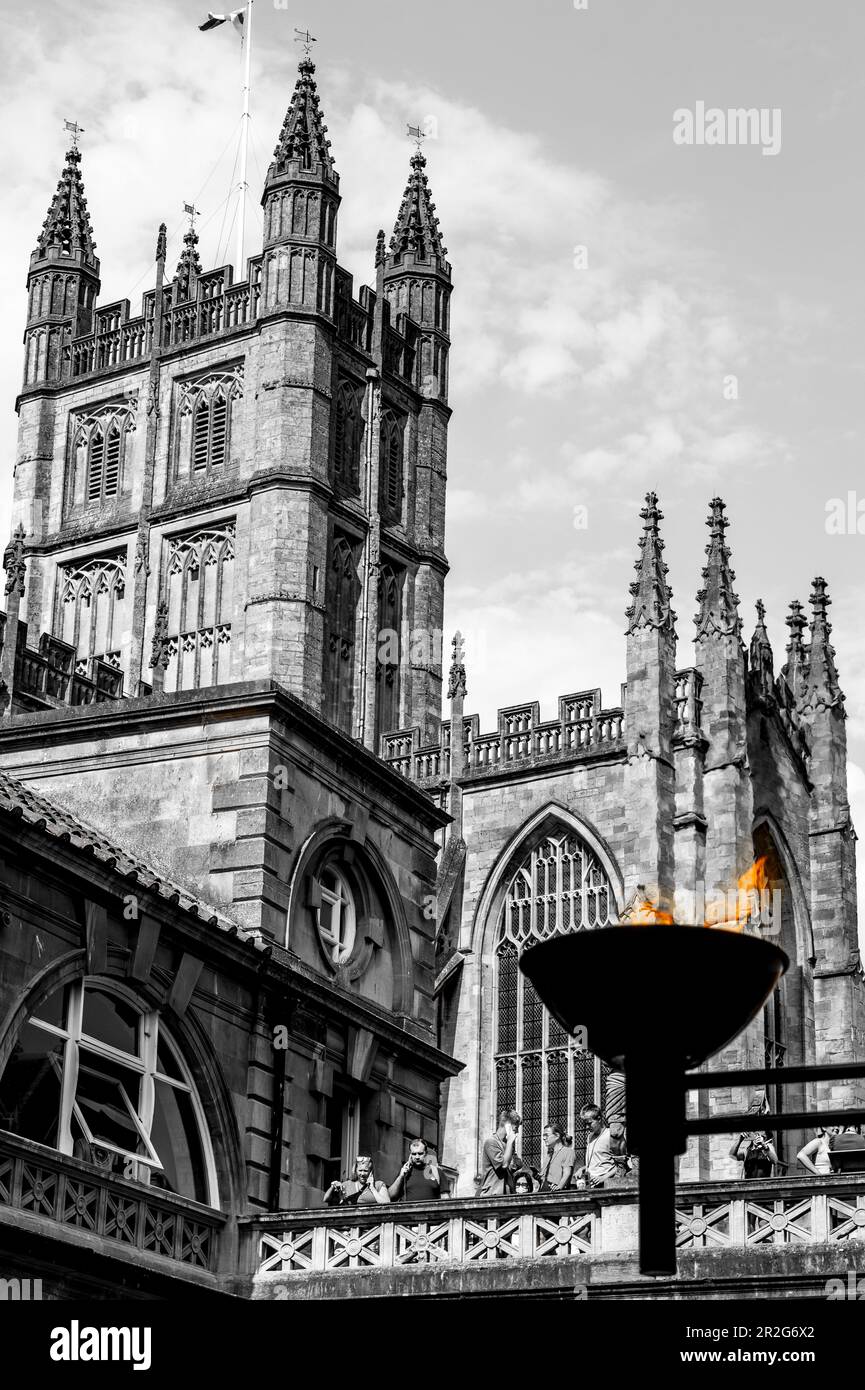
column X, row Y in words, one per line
column 242, row 21
column 236, row 18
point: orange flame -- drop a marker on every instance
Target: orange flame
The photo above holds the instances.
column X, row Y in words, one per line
column 648, row 914
column 733, row 911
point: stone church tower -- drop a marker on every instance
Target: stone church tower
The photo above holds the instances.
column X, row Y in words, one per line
column 247, row 480
column 225, row 584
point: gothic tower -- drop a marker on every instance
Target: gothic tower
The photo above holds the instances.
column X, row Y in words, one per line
column 246, row 481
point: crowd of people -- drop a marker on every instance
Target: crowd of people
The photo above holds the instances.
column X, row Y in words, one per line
column 504, row 1172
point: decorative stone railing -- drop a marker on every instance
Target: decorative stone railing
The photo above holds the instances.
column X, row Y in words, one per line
column 49, row 675
column 459, row 1235
column 582, row 729
column 43, row 1189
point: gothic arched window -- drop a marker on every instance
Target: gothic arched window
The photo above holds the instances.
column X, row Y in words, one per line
column 348, row 439
column 342, row 592
column 387, row 669
column 540, row 1070
column 98, row 1077
column 199, row 588
column 391, row 467
column 99, row 455
column 204, row 423
column 92, row 614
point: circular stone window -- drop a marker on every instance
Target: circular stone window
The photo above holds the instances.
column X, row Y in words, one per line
column 337, row 919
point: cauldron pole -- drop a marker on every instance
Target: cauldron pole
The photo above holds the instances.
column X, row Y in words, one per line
column 655, row 1001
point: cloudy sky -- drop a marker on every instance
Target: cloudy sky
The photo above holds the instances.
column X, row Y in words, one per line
column 609, row 281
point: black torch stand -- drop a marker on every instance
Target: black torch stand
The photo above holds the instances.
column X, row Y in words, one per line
column 655, row 1001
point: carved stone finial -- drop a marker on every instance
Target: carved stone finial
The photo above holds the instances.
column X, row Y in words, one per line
column 457, row 678
column 14, row 562
column 650, row 592
column 380, row 249
column 162, row 242
column 822, row 690
column 719, row 612
column 760, row 657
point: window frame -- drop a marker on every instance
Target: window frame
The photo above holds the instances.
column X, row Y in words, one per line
column 331, row 943
column 144, row 1064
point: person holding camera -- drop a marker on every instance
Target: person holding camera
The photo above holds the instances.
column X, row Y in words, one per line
column 501, row 1160
column 418, row 1180
column 758, row 1157
column 360, row 1190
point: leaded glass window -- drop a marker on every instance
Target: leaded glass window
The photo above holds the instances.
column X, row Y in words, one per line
column 560, row 887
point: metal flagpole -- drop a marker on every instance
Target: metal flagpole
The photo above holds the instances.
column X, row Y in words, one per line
column 244, row 136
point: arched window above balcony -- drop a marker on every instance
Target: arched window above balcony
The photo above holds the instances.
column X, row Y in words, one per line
column 97, row 1076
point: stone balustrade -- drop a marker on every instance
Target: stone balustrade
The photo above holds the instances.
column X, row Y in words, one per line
column 53, row 1195
column 792, row 1231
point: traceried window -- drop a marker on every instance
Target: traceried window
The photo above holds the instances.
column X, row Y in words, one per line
column 337, row 918
column 99, row 448
column 92, row 609
column 348, row 439
column 561, row 887
column 391, row 466
column 341, row 596
column 97, row 1077
column 199, row 590
column 205, row 422
column 387, row 669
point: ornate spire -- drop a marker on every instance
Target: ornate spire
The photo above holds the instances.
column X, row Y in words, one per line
column 417, row 228
column 719, row 613
column 66, row 230
column 822, row 690
column 760, row 659
column 795, row 669
column 188, row 267
column 380, row 253
column 303, row 134
column 457, row 678
column 650, row 591
column 162, row 242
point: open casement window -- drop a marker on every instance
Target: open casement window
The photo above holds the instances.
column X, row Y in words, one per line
column 97, row 1077
column 337, row 916
column 539, row 1070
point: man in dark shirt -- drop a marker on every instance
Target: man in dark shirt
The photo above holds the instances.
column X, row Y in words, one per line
column 418, row 1180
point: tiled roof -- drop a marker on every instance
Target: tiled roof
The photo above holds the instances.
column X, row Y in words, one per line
column 16, row 799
